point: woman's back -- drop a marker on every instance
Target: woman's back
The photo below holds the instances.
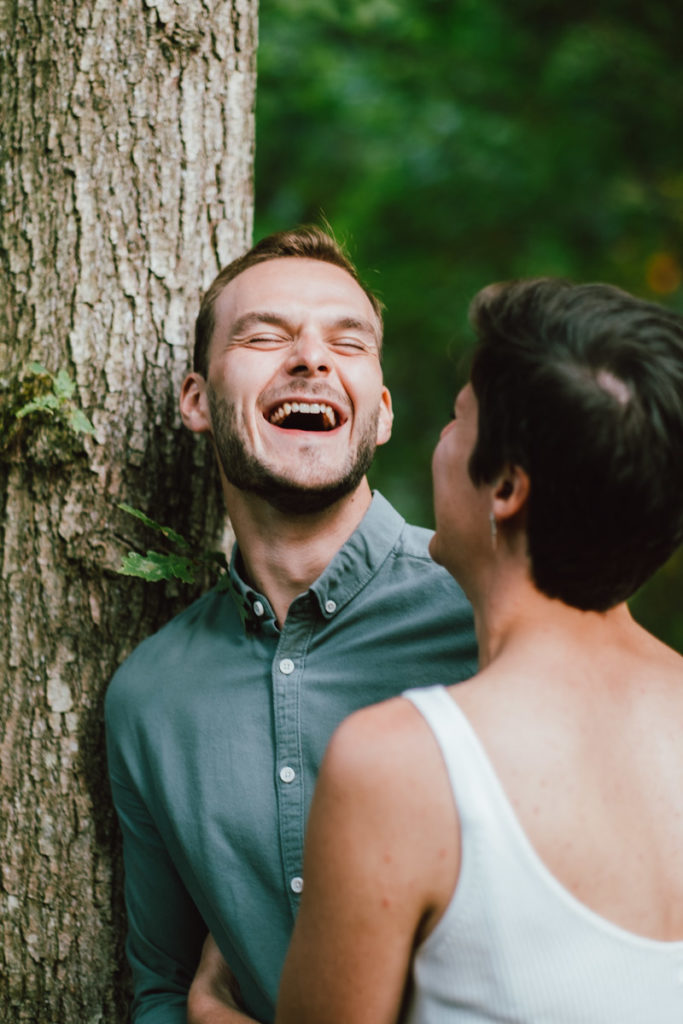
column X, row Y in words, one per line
column 569, row 884
column 586, row 742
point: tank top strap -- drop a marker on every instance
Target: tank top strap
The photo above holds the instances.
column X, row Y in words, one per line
column 475, row 785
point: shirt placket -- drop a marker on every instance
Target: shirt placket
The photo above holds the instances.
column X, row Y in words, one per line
column 287, row 674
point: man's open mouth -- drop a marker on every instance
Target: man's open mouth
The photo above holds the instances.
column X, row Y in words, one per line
column 304, row 416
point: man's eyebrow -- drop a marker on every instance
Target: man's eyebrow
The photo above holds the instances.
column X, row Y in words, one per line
column 353, row 323
column 258, row 317
column 255, row 319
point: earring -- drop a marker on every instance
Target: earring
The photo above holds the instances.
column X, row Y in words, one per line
column 494, row 530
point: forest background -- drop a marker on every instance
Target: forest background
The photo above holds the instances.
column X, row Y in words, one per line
column 451, row 144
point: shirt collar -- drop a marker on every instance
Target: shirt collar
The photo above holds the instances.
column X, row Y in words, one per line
column 254, row 608
column 360, row 558
column 356, row 562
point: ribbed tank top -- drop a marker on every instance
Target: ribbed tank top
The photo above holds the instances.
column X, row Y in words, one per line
column 514, row 945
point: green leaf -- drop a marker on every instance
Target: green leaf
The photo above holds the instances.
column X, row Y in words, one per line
column 63, row 385
column 39, row 370
column 135, row 564
column 79, row 422
column 155, row 566
column 166, row 531
column 44, row 403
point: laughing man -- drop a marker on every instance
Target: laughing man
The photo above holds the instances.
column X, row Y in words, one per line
column 217, row 724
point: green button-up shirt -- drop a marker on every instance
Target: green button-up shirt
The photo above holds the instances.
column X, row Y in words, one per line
column 216, row 726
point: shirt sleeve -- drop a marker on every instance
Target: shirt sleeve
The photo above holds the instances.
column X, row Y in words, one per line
column 165, row 929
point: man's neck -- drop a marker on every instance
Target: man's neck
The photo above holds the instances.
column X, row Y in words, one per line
column 284, row 553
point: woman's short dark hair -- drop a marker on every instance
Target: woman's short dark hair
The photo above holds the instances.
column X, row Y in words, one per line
column 582, row 386
column 306, row 242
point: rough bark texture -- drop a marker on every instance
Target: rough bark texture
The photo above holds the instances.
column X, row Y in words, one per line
column 127, row 145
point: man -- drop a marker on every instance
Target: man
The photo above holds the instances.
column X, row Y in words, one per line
column 217, row 724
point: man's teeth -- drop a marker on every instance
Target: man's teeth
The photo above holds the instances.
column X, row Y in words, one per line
column 313, row 408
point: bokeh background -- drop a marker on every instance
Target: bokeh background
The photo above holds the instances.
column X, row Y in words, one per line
column 451, row 143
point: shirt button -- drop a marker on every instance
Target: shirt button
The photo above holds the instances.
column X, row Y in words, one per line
column 287, row 774
column 258, row 608
column 286, row 666
column 330, row 606
column 297, row 885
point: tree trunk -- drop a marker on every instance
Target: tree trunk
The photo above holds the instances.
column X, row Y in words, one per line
column 127, row 134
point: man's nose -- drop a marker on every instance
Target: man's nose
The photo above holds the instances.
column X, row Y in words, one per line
column 308, row 355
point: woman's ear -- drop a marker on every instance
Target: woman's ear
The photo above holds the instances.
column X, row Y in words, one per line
column 194, row 404
column 510, row 493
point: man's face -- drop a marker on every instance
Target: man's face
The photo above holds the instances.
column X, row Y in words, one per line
column 296, row 399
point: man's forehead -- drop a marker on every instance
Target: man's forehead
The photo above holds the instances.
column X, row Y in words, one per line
column 296, row 286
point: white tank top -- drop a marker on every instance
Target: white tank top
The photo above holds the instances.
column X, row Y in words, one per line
column 514, row 945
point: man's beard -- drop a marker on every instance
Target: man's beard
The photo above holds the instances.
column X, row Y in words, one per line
column 244, row 471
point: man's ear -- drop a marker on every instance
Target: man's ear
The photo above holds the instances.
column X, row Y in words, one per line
column 510, row 492
column 386, row 417
column 194, row 404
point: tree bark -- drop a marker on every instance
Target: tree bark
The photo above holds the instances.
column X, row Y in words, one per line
column 127, row 135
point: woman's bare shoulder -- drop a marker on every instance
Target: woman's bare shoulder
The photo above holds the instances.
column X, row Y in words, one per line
column 385, row 735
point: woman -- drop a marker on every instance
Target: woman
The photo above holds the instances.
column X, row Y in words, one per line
column 512, row 849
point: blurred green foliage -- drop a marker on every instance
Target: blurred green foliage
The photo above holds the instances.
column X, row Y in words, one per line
column 451, row 143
